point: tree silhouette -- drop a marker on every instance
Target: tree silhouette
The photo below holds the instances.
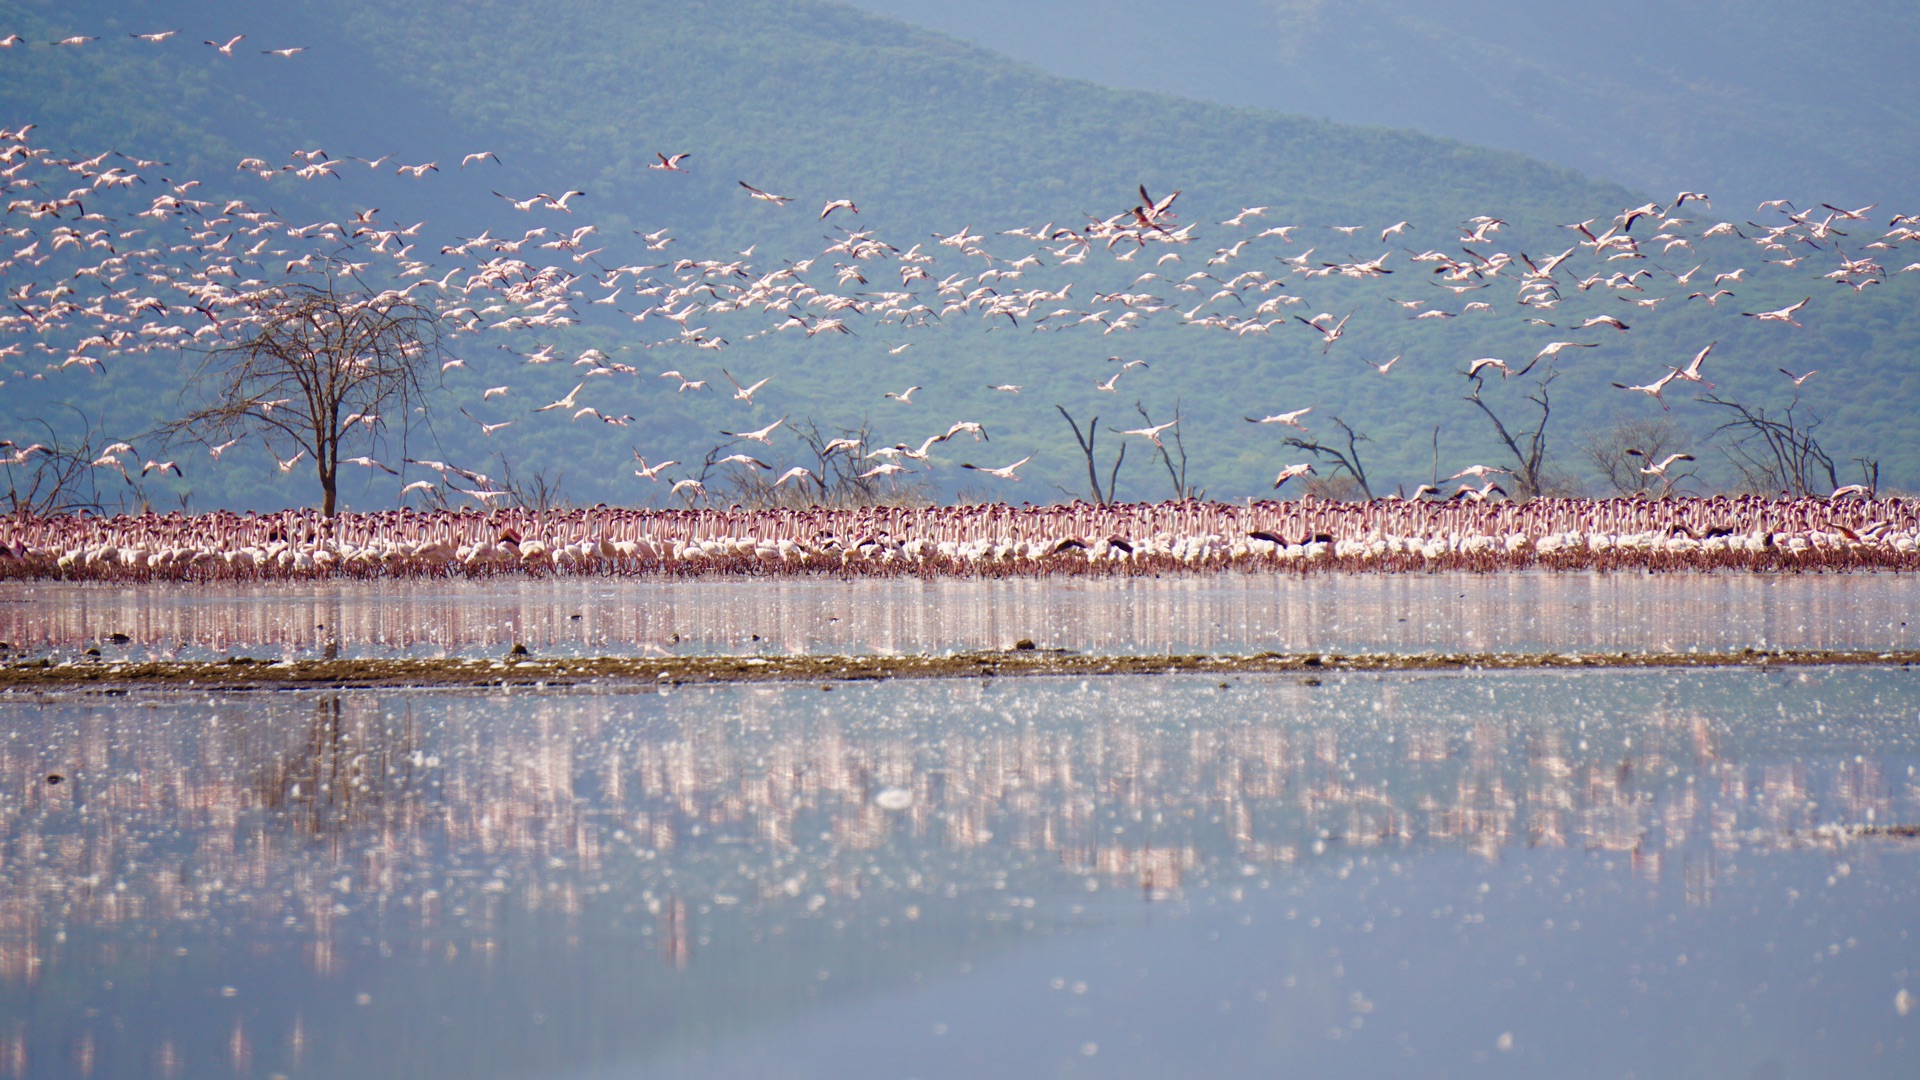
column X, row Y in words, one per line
column 325, row 364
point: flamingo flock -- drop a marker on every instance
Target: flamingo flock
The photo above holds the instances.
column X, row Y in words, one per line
column 106, row 262
column 1386, row 535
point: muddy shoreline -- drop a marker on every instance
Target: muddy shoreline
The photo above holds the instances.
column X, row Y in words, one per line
column 246, row 674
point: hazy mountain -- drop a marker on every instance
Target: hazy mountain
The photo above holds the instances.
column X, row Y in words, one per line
column 1744, row 99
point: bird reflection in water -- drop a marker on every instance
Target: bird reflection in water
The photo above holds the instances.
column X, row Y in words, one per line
column 355, row 828
column 671, row 934
column 1179, row 614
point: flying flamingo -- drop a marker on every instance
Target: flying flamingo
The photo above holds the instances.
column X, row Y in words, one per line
column 1005, row 472
column 1291, row 471
column 1654, row 388
column 1784, row 314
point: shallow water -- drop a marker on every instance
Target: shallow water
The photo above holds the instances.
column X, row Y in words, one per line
column 1578, row 874
column 1221, row 613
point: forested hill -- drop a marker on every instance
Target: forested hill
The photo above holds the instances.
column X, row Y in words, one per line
column 808, row 97
column 926, row 135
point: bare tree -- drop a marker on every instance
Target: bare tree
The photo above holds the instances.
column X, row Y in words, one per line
column 836, row 477
column 63, row 473
column 1607, row 452
column 1778, row 452
column 1347, row 460
column 1086, row 447
column 535, row 492
column 836, row 473
column 1869, row 475
column 346, row 765
column 325, row 365
column 1176, row 473
column 1529, row 447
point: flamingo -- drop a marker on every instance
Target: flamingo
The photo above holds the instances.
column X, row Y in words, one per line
column 522, row 204
column 760, row 436
column 920, row 454
column 1291, row 471
column 1784, row 314
column 1291, row 419
column 1691, row 372
column 1005, row 472
column 1654, row 388
column 1328, row 335
column 1150, row 433
column 1553, row 348
column 742, row 393
column 763, row 196
column 651, row 472
column 1659, row 469
column 566, row 402
column 1480, row 494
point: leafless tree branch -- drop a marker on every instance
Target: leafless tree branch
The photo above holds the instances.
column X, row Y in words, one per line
column 326, row 364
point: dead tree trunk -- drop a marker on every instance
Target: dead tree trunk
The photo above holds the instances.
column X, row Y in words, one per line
column 1086, row 447
column 1529, row 448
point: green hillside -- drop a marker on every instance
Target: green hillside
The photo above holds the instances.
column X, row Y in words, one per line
column 926, row 135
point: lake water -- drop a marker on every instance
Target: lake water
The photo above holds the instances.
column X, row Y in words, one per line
column 1584, row 874
column 1215, row 613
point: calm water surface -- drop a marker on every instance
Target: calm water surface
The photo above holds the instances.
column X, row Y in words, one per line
column 1569, row 874
column 1223, row 613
